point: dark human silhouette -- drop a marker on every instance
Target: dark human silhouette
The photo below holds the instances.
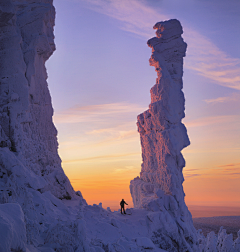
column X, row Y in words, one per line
column 122, row 206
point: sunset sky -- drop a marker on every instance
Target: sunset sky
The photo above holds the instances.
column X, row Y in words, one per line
column 100, row 80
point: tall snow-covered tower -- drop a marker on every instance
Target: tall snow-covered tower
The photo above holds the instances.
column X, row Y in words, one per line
column 163, row 136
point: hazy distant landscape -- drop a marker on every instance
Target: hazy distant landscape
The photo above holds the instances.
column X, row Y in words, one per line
column 211, row 218
column 208, row 224
column 210, row 211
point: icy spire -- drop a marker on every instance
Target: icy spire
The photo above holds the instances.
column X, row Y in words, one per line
column 163, row 136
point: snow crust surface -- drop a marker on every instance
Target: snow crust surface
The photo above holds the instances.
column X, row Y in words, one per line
column 39, row 210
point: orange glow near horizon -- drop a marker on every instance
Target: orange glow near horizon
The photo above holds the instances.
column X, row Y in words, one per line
column 101, row 154
column 212, row 188
column 105, row 185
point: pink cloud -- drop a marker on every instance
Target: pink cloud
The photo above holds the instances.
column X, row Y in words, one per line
column 96, row 112
column 205, row 121
column 235, row 97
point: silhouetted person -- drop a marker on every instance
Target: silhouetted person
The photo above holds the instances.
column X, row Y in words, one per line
column 122, row 206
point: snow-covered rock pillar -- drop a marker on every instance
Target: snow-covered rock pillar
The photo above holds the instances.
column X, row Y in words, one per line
column 31, row 175
column 163, row 136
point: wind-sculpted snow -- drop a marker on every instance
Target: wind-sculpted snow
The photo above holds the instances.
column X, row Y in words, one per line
column 39, row 210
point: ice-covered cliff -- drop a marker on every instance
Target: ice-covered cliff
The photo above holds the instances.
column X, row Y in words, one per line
column 31, row 176
column 27, row 130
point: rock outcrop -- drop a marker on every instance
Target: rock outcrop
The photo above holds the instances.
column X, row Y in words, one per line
column 163, row 136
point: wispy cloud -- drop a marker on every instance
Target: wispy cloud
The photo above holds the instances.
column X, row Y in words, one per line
column 135, row 15
column 203, row 56
column 126, row 169
column 232, row 170
column 117, row 133
column 206, row 150
column 225, row 171
column 96, row 112
column 105, row 157
column 232, row 98
column 205, row 121
column 191, row 173
column 229, row 165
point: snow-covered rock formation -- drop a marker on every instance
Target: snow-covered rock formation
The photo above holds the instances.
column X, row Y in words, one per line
column 222, row 242
column 32, row 182
column 163, row 136
column 39, row 210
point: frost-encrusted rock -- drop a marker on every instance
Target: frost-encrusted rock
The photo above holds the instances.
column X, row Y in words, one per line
column 236, row 243
column 222, row 242
column 30, row 168
column 163, row 136
column 26, row 111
